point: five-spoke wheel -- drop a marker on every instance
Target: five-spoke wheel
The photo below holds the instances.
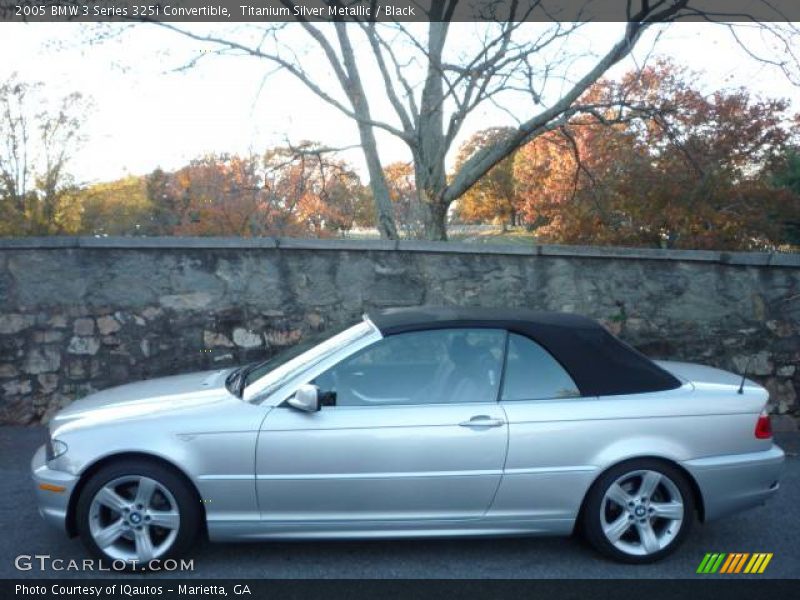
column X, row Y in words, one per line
column 134, row 518
column 638, row 511
column 137, row 512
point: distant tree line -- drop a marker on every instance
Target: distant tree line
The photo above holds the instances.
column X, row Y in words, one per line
column 693, row 170
column 284, row 192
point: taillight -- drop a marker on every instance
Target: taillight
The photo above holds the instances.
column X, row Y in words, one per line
column 763, row 426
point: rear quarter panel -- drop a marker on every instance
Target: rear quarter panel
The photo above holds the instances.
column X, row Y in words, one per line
column 557, row 448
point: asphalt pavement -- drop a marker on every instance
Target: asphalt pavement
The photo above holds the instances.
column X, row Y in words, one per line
column 774, row 528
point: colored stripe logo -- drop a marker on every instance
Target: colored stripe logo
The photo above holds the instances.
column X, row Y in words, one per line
column 734, row 562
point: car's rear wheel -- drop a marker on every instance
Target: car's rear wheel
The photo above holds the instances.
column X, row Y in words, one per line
column 137, row 511
column 639, row 511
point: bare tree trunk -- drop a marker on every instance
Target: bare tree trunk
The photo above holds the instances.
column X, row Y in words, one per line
column 431, row 183
column 436, row 221
column 431, row 147
column 353, row 87
column 377, row 183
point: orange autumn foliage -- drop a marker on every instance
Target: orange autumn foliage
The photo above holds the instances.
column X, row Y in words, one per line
column 283, row 193
column 662, row 164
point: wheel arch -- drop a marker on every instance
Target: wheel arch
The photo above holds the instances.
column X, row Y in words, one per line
column 697, row 494
column 88, row 472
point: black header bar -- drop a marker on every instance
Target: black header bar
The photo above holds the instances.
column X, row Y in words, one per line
column 254, row 11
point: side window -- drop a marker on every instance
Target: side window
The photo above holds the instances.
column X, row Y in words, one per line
column 533, row 374
column 423, row 367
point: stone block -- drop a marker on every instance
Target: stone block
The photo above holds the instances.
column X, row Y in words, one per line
column 83, row 326
column 47, row 337
column 189, row 301
column 42, row 359
column 83, row 345
column 58, row 321
column 48, row 382
column 212, row 339
column 782, row 395
column 754, row 364
column 14, row 323
column 8, row 370
column 108, row 325
column 17, row 387
column 246, row 339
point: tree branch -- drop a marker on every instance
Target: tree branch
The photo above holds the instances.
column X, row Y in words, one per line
column 295, row 70
column 559, row 113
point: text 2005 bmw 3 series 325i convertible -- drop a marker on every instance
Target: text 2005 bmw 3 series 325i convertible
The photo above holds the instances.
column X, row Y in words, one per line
column 415, row 422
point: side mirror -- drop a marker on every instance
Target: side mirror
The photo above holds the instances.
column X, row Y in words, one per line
column 306, row 398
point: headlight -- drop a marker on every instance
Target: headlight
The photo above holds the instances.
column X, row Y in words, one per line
column 54, row 449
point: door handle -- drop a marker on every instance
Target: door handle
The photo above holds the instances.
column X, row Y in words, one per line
column 479, row 421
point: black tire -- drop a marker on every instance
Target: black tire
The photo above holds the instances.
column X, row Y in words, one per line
column 591, row 524
column 188, row 504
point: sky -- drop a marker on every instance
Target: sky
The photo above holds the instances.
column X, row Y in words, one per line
column 147, row 114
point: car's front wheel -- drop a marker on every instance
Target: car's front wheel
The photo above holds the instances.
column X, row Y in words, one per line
column 137, row 511
column 639, row 511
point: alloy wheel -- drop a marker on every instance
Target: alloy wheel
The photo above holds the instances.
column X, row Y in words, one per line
column 641, row 512
column 134, row 518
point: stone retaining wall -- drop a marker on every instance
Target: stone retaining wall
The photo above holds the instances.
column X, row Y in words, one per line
column 81, row 314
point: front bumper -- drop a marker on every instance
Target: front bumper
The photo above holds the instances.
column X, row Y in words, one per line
column 736, row 482
column 53, row 490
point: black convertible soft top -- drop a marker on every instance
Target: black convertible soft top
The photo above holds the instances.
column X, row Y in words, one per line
column 599, row 363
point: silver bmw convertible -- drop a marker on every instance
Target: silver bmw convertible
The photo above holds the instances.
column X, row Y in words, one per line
column 415, row 422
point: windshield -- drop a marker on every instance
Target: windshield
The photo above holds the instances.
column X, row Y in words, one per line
column 268, row 376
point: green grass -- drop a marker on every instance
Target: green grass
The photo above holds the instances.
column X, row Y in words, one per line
column 516, row 235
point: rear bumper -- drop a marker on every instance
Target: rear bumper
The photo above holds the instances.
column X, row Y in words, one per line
column 736, row 482
column 53, row 490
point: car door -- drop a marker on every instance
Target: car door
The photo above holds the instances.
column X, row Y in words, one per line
column 415, row 433
column 551, row 427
